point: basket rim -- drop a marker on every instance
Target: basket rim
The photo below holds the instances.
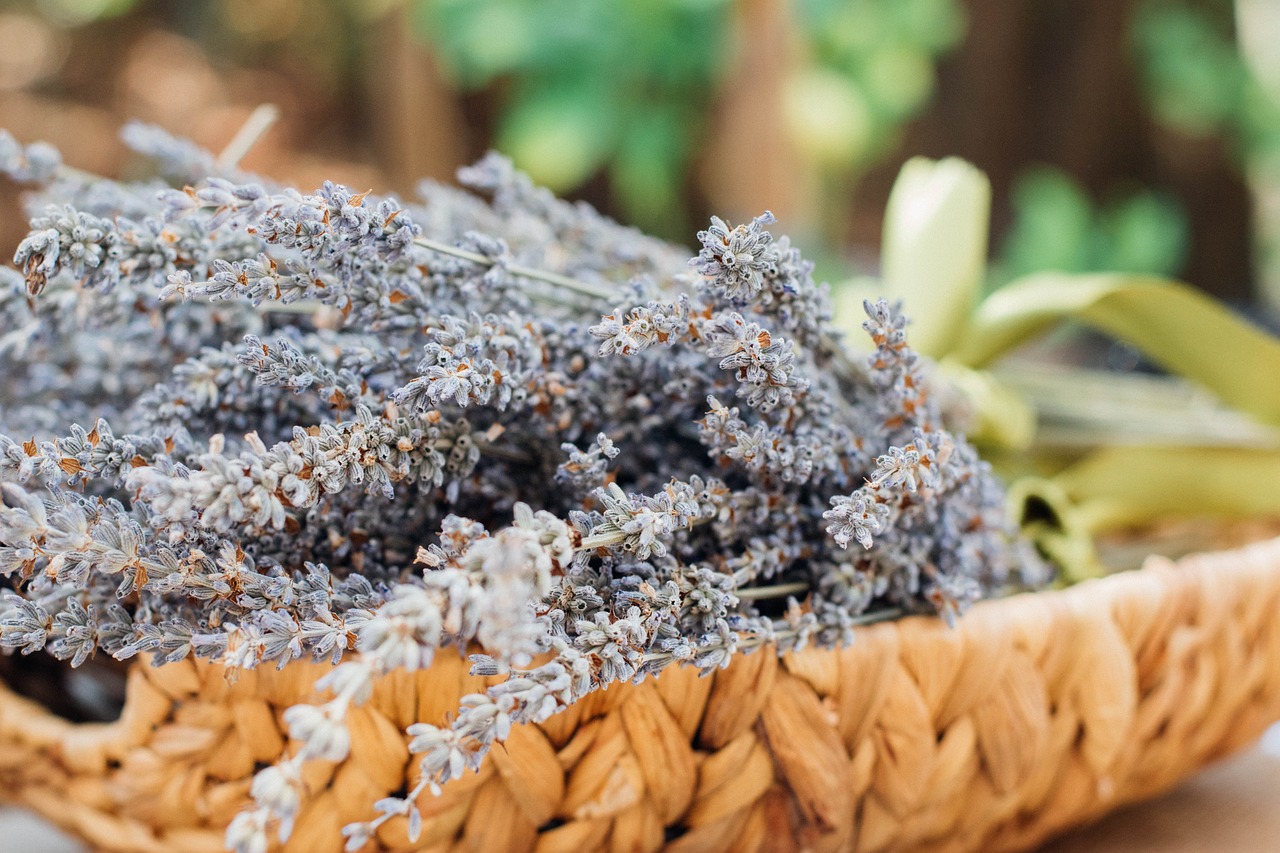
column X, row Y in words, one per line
column 1106, row 636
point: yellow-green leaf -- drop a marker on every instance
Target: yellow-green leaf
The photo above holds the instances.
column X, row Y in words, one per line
column 1049, row 517
column 993, row 415
column 1183, row 330
column 1121, row 486
column 934, row 252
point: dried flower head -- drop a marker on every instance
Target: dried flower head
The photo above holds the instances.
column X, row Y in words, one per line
column 252, row 424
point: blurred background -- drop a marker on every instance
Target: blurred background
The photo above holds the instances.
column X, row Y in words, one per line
column 1119, row 135
column 1126, row 135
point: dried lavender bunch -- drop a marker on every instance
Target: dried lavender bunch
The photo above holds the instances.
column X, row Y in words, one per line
column 253, row 425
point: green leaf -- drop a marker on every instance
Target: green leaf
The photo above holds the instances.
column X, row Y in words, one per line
column 1052, row 225
column 1186, row 332
column 997, row 416
column 1147, row 233
column 646, row 173
column 1078, row 410
column 934, row 252
column 560, row 136
column 1048, row 516
column 1123, row 486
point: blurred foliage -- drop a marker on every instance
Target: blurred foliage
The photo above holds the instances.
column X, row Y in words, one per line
column 70, row 13
column 588, row 85
column 1197, row 80
column 1197, row 83
column 617, row 100
column 1056, row 226
column 1201, row 83
column 871, row 69
column 1119, row 471
column 627, row 87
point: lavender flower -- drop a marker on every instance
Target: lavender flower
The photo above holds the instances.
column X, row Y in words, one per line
column 735, row 260
column 627, row 332
column 765, row 367
column 253, row 424
column 65, row 238
column 855, row 518
column 35, row 163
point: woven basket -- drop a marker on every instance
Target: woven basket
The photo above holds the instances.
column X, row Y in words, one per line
column 1038, row 713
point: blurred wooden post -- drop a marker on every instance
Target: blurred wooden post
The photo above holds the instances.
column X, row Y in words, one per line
column 417, row 126
column 1056, row 82
column 750, row 163
column 1258, row 25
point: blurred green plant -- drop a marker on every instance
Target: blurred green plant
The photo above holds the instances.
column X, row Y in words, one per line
column 1121, row 462
column 76, row 12
column 1196, row 78
column 586, row 85
column 626, row 88
column 1200, row 82
column 870, row 69
column 1057, row 227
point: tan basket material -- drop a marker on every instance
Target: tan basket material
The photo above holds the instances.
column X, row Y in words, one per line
column 1038, row 713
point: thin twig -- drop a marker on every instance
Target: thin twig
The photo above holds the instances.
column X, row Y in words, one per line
column 838, row 353
column 265, row 115
column 258, row 123
column 511, row 454
column 752, row 641
column 593, row 290
column 775, row 591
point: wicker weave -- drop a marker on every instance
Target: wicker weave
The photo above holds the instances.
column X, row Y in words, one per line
column 1038, row 713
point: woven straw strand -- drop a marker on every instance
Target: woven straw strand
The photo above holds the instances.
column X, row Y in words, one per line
column 1038, row 713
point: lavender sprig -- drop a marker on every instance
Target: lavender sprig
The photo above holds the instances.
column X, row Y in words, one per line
column 623, row 463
